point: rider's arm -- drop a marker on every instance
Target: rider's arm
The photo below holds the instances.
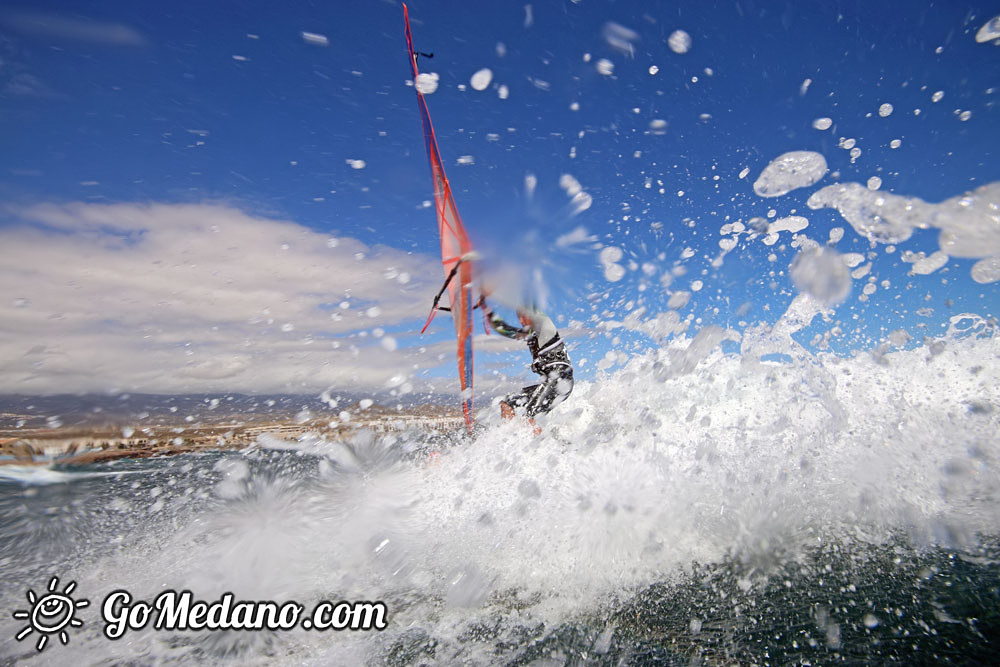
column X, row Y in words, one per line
column 505, row 329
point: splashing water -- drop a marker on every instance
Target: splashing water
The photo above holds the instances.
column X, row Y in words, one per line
column 721, row 492
column 679, row 41
column 821, row 273
column 718, row 457
column 989, row 30
column 969, row 223
column 790, row 171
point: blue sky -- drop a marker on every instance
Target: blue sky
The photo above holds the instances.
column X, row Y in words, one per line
column 132, row 132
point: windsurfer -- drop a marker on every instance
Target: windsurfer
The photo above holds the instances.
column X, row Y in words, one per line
column 549, row 359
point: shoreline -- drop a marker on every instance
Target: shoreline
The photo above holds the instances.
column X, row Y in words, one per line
column 82, row 446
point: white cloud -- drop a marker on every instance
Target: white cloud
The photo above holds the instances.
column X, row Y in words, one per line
column 27, row 85
column 174, row 298
column 69, row 27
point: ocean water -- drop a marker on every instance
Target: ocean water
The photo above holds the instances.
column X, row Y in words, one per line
column 716, row 202
column 700, row 505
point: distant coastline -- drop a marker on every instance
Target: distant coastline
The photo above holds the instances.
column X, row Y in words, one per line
column 31, row 437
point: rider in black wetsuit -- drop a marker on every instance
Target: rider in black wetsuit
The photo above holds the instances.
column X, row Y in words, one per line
column 549, row 359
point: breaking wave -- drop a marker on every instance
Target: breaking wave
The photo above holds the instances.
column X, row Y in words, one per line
column 687, row 457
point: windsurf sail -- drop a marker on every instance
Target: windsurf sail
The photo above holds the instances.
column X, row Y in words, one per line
column 457, row 256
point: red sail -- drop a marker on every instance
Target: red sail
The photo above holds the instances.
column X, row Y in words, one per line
column 455, row 244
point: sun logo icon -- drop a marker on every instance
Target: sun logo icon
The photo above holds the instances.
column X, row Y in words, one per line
column 51, row 614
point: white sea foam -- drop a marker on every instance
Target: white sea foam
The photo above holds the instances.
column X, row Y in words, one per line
column 32, row 475
column 718, row 453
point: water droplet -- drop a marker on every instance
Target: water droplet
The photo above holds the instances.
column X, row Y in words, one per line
column 481, row 79
column 679, row 42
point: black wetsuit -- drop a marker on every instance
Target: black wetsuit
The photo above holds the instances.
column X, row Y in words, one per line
column 548, row 358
